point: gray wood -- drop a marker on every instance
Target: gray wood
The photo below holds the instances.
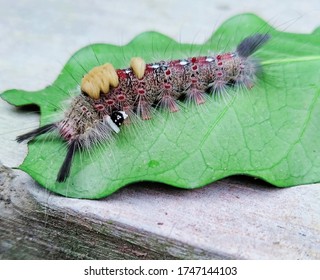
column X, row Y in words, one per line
column 234, row 218
column 33, row 230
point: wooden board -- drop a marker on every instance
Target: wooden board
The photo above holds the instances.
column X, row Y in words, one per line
column 232, row 219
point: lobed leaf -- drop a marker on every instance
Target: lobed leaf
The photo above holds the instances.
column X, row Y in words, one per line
column 270, row 132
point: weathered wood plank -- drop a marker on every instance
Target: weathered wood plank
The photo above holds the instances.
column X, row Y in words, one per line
column 234, row 218
column 29, row 230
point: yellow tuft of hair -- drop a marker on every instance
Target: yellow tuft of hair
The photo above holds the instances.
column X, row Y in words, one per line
column 99, row 79
column 111, row 74
column 138, row 66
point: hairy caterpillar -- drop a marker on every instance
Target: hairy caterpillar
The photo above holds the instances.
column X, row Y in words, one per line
column 110, row 96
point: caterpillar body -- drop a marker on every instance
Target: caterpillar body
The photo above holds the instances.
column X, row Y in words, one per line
column 109, row 97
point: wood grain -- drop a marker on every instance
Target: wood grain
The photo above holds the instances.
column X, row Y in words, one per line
column 237, row 218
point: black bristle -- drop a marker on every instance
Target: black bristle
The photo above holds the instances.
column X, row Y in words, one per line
column 251, row 44
column 34, row 133
column 66, row 165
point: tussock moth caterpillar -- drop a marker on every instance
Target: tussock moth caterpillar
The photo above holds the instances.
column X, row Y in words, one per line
column 109, row 97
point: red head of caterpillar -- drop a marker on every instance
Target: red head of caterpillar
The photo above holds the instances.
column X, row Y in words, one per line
column 109, row 96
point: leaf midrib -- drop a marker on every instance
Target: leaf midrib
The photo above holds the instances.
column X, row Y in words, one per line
column 291, row 59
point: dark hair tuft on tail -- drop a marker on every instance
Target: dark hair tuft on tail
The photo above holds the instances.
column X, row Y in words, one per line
column 251, row 44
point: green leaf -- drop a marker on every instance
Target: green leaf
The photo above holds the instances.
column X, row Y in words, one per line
column 270, row 132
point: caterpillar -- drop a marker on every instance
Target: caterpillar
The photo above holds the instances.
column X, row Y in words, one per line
column 111, row 97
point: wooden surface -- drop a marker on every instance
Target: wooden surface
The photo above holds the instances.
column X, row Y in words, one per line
column 237, row 218
column 231, row 219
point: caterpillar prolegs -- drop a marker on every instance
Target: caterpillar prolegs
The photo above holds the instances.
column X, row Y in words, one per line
column 109, row 96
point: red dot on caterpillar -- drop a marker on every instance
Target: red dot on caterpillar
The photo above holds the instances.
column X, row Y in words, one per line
column 109, row 102
column 141, row 91
column 121, row 97
column 167, row 86
column 110, row 95
column 193, row 80
column 99, row 107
